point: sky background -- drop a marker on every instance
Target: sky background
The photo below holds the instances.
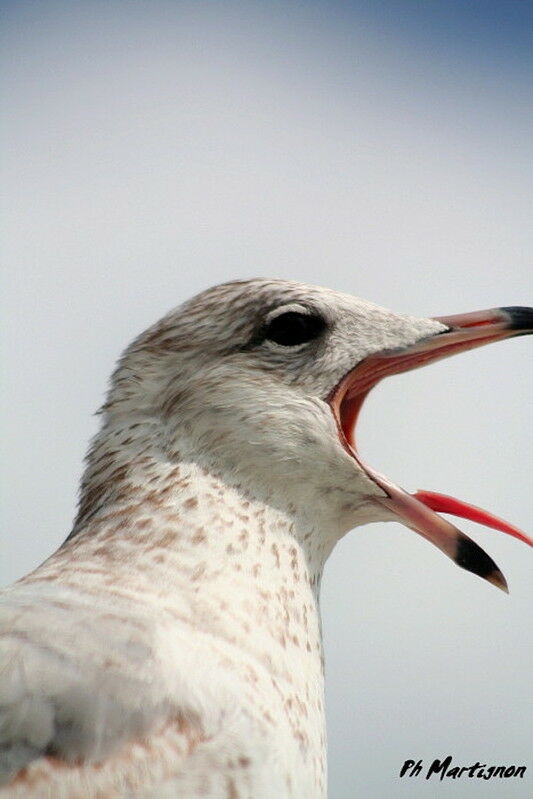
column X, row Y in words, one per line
column 152, row 149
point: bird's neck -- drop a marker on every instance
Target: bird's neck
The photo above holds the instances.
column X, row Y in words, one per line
column 139, row 501
column 131, row 470
column 234, row 568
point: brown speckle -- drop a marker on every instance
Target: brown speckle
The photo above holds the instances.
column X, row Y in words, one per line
column 232, row 789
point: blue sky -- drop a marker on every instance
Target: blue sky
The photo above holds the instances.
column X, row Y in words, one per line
column 480, row 29
column 503, row 27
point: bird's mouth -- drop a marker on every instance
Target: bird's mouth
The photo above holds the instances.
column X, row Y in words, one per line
column 417, row 511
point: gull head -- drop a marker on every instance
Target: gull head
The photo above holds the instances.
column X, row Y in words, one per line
column 260, row 382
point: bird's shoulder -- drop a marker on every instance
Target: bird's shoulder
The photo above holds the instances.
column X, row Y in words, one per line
column 96, row 698
column 177, row 759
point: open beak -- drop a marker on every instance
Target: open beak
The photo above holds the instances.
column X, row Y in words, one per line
column 417, row 511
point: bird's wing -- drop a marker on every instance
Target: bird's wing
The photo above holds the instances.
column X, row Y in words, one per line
column 89, row 708
column 175, row 760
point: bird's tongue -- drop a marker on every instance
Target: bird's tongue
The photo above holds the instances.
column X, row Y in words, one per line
column 447, row 504
column 418, row 511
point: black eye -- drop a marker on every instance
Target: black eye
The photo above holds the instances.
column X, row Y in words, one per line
column 291, row 328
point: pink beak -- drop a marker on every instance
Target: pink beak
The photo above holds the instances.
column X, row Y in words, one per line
column 464, row 332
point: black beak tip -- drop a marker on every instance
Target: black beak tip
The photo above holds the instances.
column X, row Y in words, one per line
column 520, row 318
column 471, row 557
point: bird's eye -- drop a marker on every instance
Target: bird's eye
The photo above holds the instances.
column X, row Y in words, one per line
column 292, row 328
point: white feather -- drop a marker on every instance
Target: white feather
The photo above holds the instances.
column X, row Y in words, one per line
column 172, row 645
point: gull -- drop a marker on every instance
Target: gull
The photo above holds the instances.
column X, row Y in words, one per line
column 172, row 646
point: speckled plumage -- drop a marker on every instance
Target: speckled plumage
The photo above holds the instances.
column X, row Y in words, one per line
column 172, row 645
